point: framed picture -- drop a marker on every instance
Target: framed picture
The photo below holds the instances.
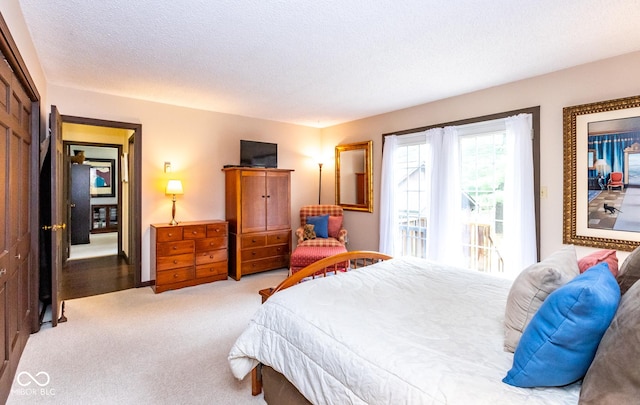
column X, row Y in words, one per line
column 602, row 174
column 102, row 177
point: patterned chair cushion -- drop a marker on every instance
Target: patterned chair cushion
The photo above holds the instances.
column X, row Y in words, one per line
column 336, row 238
column 303, row 256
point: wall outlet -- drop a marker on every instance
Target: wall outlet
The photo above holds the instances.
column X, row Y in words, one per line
column 543, row 192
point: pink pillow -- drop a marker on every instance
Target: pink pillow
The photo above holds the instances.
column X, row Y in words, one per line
column 606, row 255
column 335, row 224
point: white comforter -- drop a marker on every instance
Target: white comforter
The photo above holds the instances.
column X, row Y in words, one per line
column 404, row 331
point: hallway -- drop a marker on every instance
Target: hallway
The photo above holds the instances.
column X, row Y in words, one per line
column 99, row 275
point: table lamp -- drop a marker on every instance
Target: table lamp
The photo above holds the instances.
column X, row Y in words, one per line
column 174, row 187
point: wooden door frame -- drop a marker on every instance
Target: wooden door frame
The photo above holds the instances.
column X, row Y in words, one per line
column 67, row 189
column 135, row 176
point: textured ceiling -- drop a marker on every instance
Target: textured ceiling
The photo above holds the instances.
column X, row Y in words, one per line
column 318, row 63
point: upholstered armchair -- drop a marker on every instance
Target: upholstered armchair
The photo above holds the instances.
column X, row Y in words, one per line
column 615, row 180
column 336, row 235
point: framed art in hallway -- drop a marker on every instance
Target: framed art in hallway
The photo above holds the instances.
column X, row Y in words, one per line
column 601, row 178
column 102, row 177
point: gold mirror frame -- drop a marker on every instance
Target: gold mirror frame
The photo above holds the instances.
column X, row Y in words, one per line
column 576, row 207
column 350, row 171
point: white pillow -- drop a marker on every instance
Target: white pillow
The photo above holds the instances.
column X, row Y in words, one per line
column 532, row 286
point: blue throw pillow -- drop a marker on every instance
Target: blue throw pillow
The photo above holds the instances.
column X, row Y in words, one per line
column 320, row 225
column 560, row 342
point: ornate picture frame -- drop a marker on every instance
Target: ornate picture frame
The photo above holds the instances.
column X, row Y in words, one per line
column 597, row 221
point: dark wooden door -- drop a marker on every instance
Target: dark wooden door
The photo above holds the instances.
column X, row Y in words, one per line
column 80, row 204
column 57, row 211
column 16, row 259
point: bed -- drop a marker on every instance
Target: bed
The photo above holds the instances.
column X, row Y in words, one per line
column 402, row 330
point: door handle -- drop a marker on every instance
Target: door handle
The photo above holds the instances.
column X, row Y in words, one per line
column 73, row 205
column 55, row 227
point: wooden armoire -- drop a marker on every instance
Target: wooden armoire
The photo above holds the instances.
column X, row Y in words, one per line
column 258, row 209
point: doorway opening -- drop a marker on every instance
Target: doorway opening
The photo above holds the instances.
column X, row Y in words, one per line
column 101, row 245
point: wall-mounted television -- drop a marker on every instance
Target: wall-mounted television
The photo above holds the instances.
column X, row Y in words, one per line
column 258, row 154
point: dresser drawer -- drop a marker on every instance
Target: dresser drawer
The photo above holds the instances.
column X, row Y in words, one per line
column 173, row 262
column 175, row 275
column 249, row 241
column 213, row 269
column 214, row 230
column 254, row 266
column 211, row 244
column 278, row 238
column 169, row 234
column 174, row 248
column 195, row 232
column 269, row 251
column 211, row 256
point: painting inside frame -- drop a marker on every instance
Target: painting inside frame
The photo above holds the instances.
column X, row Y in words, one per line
column 101, row 177
column 602, row 174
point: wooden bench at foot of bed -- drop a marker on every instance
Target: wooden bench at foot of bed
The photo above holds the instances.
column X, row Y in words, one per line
column 328, row 265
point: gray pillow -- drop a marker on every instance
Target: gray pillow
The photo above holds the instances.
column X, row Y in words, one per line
column 531, row 288
column 629, row 272
column 614, row 375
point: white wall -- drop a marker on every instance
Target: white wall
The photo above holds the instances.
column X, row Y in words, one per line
column 198, row 144
column 604, row 80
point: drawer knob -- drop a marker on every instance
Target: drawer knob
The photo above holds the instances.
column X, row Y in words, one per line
column 170, row 234
column 175, row 275
column 253, row 241
column 210, row 256
column 194, row 232
column 253, row 253
column 211, row 243
column 175, row 247
column 175, row 262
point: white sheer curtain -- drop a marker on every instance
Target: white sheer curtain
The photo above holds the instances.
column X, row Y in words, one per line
column 388, row 214
column 444, row 222
column 435, row 220
column 444, row 227
column 519, row 244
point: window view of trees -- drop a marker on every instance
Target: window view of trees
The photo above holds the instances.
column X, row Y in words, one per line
column 482, row 171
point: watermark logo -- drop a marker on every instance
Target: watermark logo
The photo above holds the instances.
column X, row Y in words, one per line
column 34, row 384
column 25, row 379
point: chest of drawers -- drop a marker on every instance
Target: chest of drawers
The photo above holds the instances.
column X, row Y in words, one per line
column 189, row 253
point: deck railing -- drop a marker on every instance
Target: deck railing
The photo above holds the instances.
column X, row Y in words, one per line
column 479, row 247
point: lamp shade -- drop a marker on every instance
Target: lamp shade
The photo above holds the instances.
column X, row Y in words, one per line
column 600, row 163
column 174, row 187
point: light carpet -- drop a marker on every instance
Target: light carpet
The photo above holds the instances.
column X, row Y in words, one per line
column 100, row 244
column 137, row 347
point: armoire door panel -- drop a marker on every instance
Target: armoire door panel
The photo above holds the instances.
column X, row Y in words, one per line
column 278, row 201
column 254, row 194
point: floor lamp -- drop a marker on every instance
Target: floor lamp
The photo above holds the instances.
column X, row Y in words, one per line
column 319, row 182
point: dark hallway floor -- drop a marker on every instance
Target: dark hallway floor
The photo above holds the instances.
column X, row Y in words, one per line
column 99, row 275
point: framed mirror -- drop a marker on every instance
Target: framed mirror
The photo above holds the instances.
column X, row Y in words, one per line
column 354, row 176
